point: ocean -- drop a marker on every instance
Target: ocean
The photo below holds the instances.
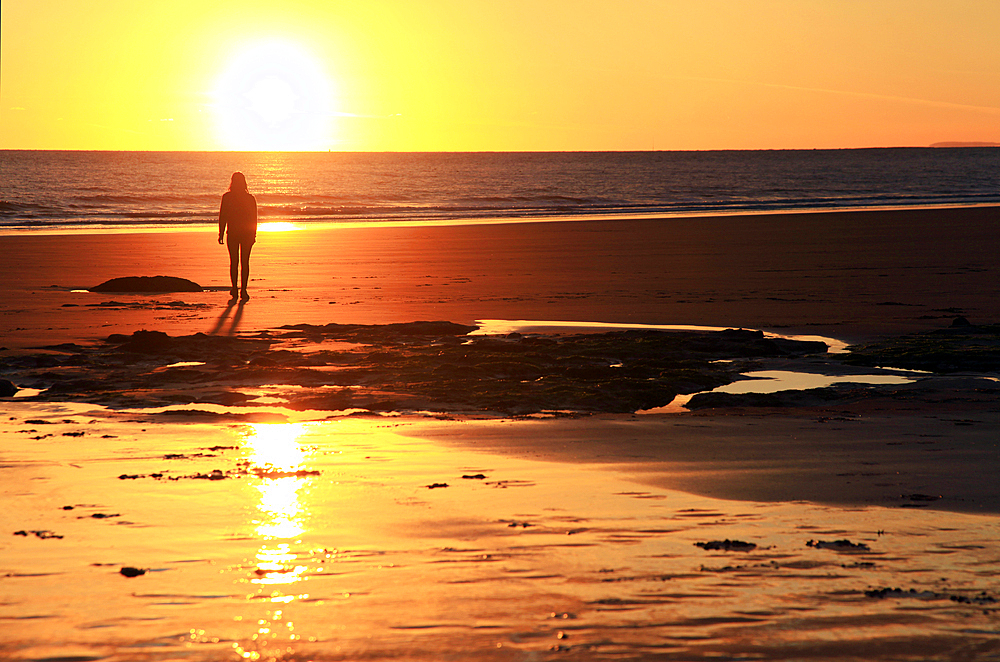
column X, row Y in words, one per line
column 121, row 190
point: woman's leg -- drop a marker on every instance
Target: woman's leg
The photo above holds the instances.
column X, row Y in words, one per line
column 234, row 264
column 245, row 267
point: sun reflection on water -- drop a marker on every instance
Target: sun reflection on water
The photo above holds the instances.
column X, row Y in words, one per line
column 281, row 464
column 275, row 453
column 280, row 508
column 274, row 446
column 276, row 565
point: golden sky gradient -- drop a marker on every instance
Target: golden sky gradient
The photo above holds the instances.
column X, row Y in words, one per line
column 497, row 75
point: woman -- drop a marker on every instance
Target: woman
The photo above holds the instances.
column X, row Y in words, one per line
column 238, row 217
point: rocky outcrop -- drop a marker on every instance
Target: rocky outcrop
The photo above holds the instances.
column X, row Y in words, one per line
column 962, row 347
column 147, row 284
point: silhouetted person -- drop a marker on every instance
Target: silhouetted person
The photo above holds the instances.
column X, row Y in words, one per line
column 238, row 221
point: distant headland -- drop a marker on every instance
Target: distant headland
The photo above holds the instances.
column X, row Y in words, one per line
column 966, row 144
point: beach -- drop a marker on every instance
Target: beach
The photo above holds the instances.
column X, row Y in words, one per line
column 854, row 275
column 320, row 477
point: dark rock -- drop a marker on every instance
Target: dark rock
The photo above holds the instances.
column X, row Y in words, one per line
column 148, row 284
column 920, row 497
column 960, row 322
column 982, row 598
column 796, row 347
column 379, row 332
column 727, row 545
column 839, row 545
column 882, row 593
column 199, row 347
column 741, row 334
column 717, row 400
column 217, row 474
column 146, row 342
column 44, row 535
column 65, row 347
column 419, row 366
column 7, row 388
column 276, row 473
column 958, row 348
column 129, row 571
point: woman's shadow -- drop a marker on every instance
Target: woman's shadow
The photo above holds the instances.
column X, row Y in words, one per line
column 234, row 323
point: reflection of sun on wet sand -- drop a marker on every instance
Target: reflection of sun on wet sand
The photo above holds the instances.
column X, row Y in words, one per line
column 398, row 546
column 498, row 496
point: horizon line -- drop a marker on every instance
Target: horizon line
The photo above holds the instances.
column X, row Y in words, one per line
column 936, row 145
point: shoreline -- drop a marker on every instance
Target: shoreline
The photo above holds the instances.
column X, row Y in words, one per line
column 300, row 224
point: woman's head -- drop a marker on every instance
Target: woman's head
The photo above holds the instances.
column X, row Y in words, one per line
column 238, row 183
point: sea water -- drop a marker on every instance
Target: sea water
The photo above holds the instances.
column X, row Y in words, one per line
column 94, row 190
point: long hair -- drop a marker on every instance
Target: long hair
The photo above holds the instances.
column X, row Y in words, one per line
column 238, row 182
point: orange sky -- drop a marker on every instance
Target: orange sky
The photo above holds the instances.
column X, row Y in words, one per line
column 497, row 75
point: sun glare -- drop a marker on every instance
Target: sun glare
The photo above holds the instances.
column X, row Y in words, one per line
column 275, row 446
column 273, row 96
column 277, row 226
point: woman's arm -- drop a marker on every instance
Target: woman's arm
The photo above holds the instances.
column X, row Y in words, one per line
column 222, row 219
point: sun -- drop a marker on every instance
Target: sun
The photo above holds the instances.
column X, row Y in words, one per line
column 273, row 96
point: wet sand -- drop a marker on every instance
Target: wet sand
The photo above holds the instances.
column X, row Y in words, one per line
column 264, row 524
column 852, row 275
column 360, row 539
column 836, row 456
